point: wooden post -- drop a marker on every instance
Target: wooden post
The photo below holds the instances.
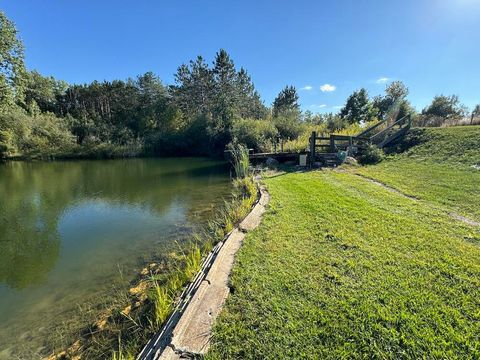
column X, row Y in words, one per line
column 332, row 143
column 313, row 140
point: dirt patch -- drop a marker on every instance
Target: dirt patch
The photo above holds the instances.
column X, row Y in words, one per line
column 464, row 219
column 388, row 187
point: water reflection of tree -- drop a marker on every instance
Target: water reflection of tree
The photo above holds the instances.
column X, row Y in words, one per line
column 29, row 241
column 33, row 197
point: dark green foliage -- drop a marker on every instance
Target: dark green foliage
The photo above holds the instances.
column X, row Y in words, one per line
column 218, row 95
column 193, row 117
column 475, row 113
column 286, row 101
column 23, row 134
column 6, row 143
column 42, row 93
column 118, row 112
column 358, row 108
column 192, row 93
column 414, row 137
column 335, row 122
column 249, row 103
column 442, row 109
column 311, row 118
column 444, row 106
column 371, row 154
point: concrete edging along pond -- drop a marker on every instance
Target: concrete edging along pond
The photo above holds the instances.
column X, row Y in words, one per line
column 188, row 330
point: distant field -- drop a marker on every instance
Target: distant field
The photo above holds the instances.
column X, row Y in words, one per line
column 344, row 268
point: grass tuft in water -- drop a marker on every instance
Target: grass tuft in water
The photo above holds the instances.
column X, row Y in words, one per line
column 122, row 354
column 162, row 301
column 193, row 262
column 240, row 161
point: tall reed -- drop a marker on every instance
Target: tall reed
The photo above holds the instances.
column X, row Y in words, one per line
column 240, row 161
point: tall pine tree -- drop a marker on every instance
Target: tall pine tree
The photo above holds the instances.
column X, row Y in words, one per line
column 285, row 101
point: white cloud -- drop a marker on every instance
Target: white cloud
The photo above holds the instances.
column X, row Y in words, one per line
column 337, row 107
column 307, row 88
column 382, row 80
column 320, row 106
column 327, row 88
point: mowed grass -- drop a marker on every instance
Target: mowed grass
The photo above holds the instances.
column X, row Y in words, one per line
column 343, row 268
column 438, row 169
column 456, row 188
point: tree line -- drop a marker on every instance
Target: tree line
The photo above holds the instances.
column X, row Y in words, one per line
column 208, row 107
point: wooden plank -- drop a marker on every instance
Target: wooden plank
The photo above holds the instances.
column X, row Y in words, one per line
column 313, row 140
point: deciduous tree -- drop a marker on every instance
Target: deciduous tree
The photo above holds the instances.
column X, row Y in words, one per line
column 358, row 107
column 12, row 67
column 445, row 107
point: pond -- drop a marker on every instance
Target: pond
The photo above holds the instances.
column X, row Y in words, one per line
column 74, row 232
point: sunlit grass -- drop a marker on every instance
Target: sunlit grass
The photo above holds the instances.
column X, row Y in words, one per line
column 162, row 301
column 438, row 168
column 193, row 261
column 343, row 268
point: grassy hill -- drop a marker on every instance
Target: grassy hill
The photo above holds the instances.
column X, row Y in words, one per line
column 436, row 165
column 455, row 146
column 345, row 268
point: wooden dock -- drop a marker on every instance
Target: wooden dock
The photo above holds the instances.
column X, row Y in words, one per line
column 331, row 150
column 279, row 156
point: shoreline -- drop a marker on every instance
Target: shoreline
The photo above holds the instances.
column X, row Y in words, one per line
column 188, row 330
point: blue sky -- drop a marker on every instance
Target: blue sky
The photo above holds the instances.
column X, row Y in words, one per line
column 433, row 46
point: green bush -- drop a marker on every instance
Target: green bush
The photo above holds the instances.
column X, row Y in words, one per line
column 289, row 125
column 42, row 135
column 254, row 134
column 6, row 147
column 371, row 155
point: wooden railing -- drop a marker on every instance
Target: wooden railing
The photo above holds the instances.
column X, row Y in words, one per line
column 392, row 131
column 336, row 142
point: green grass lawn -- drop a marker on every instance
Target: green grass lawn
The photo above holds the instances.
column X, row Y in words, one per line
column 455, row 188
column 439, row 169
column 344, row 268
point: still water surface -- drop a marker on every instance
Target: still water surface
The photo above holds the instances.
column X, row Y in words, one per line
column 72, row 232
